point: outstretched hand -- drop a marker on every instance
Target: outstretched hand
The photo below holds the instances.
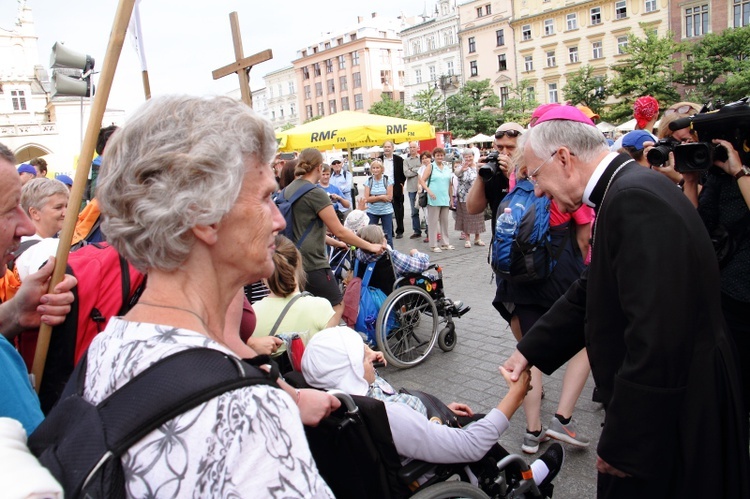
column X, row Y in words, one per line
column 516, row 365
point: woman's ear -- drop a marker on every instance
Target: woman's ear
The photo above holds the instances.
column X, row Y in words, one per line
column 209, row 234
column 34, row 214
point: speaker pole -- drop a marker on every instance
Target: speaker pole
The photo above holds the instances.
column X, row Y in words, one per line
column 146, row 84
column 114, row 48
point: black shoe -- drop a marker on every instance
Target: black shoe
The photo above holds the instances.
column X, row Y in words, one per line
column 553, row 457
column 415, row 236
column 398, row 236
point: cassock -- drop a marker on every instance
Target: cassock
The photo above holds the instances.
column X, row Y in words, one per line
column 648, row 311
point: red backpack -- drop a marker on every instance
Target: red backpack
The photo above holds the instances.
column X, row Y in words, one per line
column 107, row 286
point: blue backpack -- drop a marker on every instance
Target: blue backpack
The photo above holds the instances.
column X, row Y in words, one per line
column 527, row 255
column 285, row 207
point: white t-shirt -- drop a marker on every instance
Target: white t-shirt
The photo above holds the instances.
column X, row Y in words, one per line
column 244, row 443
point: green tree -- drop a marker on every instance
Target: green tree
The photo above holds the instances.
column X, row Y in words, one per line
column 314, row 118
column 586, row 88
column 720, row 65
column 520, row 104
column 288, row 126
column 428, row 106
column 471, row 110
column 648, row 69
column 389, row 107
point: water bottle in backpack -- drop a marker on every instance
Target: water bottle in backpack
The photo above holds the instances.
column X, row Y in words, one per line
column 506, row 224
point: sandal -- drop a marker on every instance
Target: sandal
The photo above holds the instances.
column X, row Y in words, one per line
column 479, row 242
column 448, row 247
column 436, row 250
column 467, row 244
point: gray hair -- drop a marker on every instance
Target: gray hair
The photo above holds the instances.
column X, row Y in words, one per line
column 585, row 141
column 372, row 234
column 179, row 162
column 37, row 191
column 7, row 154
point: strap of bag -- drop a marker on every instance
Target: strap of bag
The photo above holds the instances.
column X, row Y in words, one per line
column 293, row 199
column 285, row 310
column 368, row 274
column 160, row 392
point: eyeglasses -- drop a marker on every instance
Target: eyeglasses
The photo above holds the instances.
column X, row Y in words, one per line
column 510, row 133
column 533, row 175
column 684, row 109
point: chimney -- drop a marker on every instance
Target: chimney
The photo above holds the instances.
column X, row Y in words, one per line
column 374, row 15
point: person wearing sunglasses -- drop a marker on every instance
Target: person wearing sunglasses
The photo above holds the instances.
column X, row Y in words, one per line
column 648, row 311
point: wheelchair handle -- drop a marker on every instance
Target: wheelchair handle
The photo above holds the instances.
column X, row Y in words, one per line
column 346, row 400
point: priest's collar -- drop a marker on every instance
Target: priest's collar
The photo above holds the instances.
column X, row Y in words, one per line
column 594, row 191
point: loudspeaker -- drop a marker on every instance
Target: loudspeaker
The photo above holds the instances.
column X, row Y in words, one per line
column 65, row 85
column 63, row 57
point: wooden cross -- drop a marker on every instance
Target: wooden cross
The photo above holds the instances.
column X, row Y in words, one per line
column 242, row 64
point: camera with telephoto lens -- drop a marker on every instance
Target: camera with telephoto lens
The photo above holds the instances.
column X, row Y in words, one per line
column 730, row 122
column 659, row 154
column 489, row 166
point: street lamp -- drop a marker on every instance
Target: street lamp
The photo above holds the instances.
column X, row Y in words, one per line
column 445, row 82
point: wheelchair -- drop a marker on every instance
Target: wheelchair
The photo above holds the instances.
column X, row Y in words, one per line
column 415, row 315
column 354, row 451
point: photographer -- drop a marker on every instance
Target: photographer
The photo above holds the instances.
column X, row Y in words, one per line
column 724, row 207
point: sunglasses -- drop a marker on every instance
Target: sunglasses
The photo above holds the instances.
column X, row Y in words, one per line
column 684, row 109
column 510, row 133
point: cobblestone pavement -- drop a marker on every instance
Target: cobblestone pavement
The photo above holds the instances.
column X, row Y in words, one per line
column 470, row 374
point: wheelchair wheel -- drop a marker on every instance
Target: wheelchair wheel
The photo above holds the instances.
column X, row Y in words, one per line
column 447, row 337
column 449, row 490
column 406, row 329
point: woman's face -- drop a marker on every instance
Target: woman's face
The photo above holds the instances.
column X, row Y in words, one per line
column 370, row 357
column 49, row 219
column 439, row 157
column 376, row 169
column 468, row 159
column 426, row 160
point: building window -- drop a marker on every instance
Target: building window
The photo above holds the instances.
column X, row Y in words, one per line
column 327, row 45
column 447, row 38
column 650, row 5
column 307, row 92
column 502, row 63
column 308, row 112
column 549, row 27
column 621, row 9
column 291, row 88
column 696, row 21
column 473, row 69
column 596, row 50
column 385, row 77
column 18, row 98
column 358, row 102
column 281, row 112
column 741, row 13
column 551, row 59
column 385, row 56
column 316, row 69
column 329, row 66
column 305, row 73
column 401, row 78
column 572, row 21
column 357, row 79
column 355, row 58
column 342, row 83
column 449, row 67
column 622, row 44
column 472, row 45
column 552, row 92
column 345, row 103
column 500, row 37
column 416, row 47
column 331, row 86
column 292, row 109
column 573, row 54
column 418, row 75
column 321, row 109
column 503, row 96
column 318, row 89
column 531, row 93
column 487, row 10
column 332, row 106
column 528, row 63
column 431, row 43
column 433, row 75
column 526, row 32
column 352, row 37
column 342, row 61
column 596, row 15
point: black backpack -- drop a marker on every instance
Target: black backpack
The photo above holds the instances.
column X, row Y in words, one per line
column 81, row 444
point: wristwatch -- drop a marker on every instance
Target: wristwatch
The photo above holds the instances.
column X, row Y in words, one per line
column 744, row 170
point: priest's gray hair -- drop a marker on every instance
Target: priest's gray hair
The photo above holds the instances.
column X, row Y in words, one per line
column 584, row 141
column 177, row 163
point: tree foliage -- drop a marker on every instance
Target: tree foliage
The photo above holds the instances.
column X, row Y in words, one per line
column 648, row 69
column 471, row 110
column 389, row 107
column 583, row 87
column 519, row 105
column 720, row 65
column 428, row 106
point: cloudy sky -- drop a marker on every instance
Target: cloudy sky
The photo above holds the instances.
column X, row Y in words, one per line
column 185, row 40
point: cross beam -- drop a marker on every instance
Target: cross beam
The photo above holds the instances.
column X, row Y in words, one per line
column 242, row 65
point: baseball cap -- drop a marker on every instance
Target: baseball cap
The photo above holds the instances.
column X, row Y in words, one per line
column 588, row 112
column 26, row 168
column 636, row 138
column 510, row 126
column 565, row 113
column 65, row 180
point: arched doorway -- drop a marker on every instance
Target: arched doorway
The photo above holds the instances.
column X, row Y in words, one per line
column 28, row 152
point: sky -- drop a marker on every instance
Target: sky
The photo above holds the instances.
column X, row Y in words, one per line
column 185, row 40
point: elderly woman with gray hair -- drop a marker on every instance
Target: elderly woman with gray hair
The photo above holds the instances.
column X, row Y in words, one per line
column 185, row 192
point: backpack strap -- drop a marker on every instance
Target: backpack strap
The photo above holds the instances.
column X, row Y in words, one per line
column 160, row 393
column 293, row 199
column 285, row 310
column 21, row 248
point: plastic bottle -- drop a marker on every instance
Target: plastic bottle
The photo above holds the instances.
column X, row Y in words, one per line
column 506, row 224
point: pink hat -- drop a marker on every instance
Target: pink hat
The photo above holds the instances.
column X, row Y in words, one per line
column 566, row 113
column 539, row 112
column 645, row 109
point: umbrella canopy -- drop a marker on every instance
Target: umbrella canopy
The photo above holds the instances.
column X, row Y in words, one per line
column 375, row 149
column 628, row 126
column 460, row 142
column 361, row 150
column 353, row 129
column 480, row 137
column 605, row 127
